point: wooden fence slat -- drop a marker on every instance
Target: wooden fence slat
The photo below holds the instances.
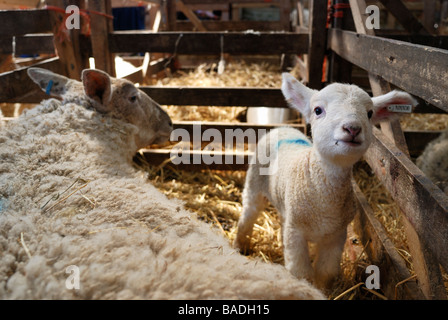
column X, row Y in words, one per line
column 424, row 205
column 101, row 26
column 211, row 96
column 159, row 156
column 228, row 1
column 231, row 26
column 208, row 42
column 428, row 77
column 34, row 44
column 383, row 253
column 222, row 126
column 317, row 42
column 18, row 22
column 16, row 85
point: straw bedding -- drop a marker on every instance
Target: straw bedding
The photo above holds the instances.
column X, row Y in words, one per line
column 216, row 195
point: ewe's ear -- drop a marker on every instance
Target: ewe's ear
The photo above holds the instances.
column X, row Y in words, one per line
column 51, row 83
column 97, row 86
column 382, row 103
column 297, row 95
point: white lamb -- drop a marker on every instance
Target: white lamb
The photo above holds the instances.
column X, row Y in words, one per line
column 312, row 187
column 434, row 161
column 71, row 200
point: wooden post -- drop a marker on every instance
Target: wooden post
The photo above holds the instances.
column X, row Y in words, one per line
column 317, row 42
column 67, row 48
column 429, row 12
column 171, row 15
column 101, row 27
column 425, row 265
column 340, row 69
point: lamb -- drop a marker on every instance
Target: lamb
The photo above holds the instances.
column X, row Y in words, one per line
column 434, row 161
column 310, row 184
column 79, row 221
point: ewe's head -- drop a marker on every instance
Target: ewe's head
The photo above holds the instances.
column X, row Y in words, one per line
column 115, row 97
column 341, row 116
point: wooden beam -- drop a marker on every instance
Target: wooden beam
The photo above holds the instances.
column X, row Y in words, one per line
column 17, row 22
column 383, row 253
column 239, row 160
column 229, row 1
column 223, row 126
column 216, row 26
column 317, row 42
column 16, row 85
column 440, row 42
column 427, row 78
column 404, row 16
column 252, row 97
column 101, row 26
column 208, row 43
column 67, row 43
column 424, row 205
column 34, row 44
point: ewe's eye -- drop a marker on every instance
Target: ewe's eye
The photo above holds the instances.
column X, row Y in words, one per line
column 318, row 111
column 370, row 114
column 133, row 98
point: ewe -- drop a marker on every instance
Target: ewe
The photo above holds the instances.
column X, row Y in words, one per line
column 434, row 161
column 71, row 200
column 310, row 184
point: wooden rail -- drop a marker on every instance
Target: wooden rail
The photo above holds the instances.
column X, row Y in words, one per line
column 427, row 78
column 208, row 42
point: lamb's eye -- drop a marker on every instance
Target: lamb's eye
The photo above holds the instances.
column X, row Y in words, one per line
column 318, row 111
column 133, row 98
column 370, row 114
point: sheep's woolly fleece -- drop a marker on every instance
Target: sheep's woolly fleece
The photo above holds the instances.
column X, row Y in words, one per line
column 128, row 240
column 434, row 161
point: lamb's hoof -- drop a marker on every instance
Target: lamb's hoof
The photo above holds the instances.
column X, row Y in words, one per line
column 242, row 246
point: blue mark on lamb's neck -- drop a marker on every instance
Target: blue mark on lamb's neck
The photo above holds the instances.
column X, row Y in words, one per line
column 300, row 142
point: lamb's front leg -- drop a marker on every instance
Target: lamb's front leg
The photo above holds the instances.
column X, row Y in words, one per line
column 329, row 253
column 297, row 258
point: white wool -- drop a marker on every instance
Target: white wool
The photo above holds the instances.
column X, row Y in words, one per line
column 126, row 238
column 434, row 161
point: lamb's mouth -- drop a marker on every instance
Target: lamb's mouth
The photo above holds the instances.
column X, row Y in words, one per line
column 351, row 143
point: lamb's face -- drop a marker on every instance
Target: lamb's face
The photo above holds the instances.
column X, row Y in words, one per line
column 341, row 116
column 340, row 119
column 134, row 106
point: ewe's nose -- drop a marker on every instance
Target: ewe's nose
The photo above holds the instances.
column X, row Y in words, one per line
column 352, row 130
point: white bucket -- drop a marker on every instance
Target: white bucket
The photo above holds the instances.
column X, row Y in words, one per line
column 264, row 115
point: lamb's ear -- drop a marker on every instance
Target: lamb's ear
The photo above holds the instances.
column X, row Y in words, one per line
column 97, row 86
column 381, row 105
column 51, row 83
column 297, row 95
